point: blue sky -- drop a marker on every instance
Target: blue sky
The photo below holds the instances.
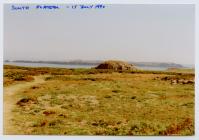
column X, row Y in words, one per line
column 142, row 33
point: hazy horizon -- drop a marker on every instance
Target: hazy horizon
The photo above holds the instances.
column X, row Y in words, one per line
column 186, row 65
column 137, row 33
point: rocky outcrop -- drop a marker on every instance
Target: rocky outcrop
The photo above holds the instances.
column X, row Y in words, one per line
column 115, row 65
column 179, row 80
column 182, row 81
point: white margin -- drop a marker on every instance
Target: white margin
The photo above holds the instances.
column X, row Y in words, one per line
column 1, row 66
column 196, row 2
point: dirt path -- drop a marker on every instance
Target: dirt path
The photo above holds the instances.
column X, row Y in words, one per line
column 9, row 102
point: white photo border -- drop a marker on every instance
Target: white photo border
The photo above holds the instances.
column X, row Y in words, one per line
column 31, row 137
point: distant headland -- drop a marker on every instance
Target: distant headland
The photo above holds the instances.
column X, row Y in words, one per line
column 97, row 62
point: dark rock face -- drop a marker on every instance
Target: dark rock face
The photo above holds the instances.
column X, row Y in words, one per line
column 115, row 65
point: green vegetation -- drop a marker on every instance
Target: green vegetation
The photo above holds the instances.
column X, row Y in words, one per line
column 102, row 102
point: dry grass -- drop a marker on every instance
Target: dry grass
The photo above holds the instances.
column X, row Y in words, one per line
column 83, row 102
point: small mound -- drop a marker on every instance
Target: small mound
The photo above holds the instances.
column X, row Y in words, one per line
column 26, row 101
column 115, row 65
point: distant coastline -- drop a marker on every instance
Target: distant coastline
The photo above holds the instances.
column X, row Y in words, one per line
column 97, row 62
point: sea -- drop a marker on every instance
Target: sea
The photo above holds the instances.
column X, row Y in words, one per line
column 29, row 64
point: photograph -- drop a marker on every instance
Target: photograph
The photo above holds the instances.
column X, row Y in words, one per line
column 99, row 69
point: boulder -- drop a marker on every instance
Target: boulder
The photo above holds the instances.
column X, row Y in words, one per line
column 115, row 65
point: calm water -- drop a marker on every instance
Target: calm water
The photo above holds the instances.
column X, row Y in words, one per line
column 72, row 66
column 48, row 65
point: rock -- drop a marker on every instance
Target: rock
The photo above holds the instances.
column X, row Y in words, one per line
column 183, row 81
column 166, row 78
column 133, row 97
column 180, row 81
column 174, row 82
column 26, row 101
column 190, row 82
column 107, row 96
column 48, row 112
column 115, row 65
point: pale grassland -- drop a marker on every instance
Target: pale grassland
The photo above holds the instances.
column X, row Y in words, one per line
column 90, row 102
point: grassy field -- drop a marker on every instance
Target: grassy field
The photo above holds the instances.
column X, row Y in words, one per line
column 55, row 101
